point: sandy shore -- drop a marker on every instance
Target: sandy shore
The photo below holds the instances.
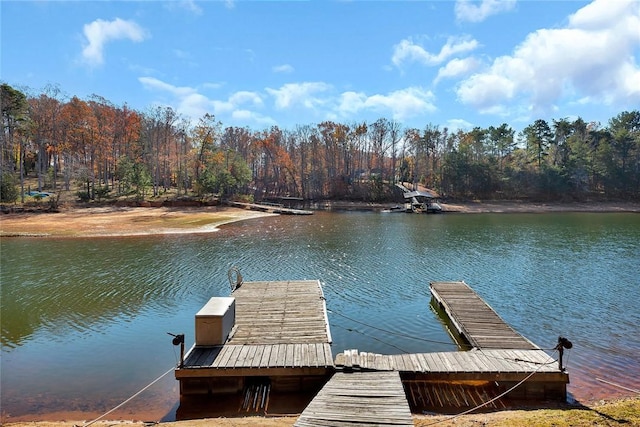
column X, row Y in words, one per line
column 531, row 207
column 623, row 412
column 114, row 221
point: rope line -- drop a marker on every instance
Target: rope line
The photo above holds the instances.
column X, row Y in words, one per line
column 391, row 332
column 372, row 337
column 618, row 385
column 488, row 401
column 129, row 399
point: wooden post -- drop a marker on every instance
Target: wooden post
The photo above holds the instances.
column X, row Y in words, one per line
column 179, row 339
column 181, row 350
column 562, row 344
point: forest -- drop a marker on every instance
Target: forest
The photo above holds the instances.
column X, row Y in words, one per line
column 98, row 151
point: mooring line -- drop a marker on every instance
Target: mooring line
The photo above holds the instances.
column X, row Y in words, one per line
column 400, row 334
column 487, row 402
column 129, row 399
column 618, row 385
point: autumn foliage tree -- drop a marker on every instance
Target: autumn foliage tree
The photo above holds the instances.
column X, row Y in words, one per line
column 114, row 150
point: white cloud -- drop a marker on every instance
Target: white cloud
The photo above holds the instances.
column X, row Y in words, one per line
column 191, row 103
column 246, row 116
column 469, row 11
column 188, row 5
column 213, row 86
column 245, row 97
column 456, row 68
column 401, row 104
column 99, row 32
column 284, row 68
column 592, row 57
column 458, row 124
column 599, row 15
column 408, row 51
column 299, row 94
column 182, row 54
column 153, row 83
column 191, row 6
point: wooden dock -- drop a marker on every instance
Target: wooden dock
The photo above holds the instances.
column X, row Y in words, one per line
column 277, row 352
column 359, row 399
column 280, row 349
column 275, row 208
column 280, row 327
column 280, row 312
column 475, row 320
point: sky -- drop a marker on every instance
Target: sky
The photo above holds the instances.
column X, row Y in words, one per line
column 455, row 64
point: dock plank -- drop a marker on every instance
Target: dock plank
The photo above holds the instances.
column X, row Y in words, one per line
column 359, row 399
column 271, row 312
column 477, row 361
column 278, row 324
column 475, row 320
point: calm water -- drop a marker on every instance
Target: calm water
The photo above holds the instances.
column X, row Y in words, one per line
column 85, row 321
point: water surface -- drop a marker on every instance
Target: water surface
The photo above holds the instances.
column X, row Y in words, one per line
column 85, row 321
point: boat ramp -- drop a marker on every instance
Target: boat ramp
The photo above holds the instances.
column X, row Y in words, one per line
column 270, row 353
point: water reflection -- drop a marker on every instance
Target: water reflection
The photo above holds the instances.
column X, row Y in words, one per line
column 84, row 321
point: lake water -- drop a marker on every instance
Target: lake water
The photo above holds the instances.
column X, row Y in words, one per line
column 85, row 321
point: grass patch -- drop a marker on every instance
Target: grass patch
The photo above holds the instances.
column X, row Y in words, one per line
column 624, row 412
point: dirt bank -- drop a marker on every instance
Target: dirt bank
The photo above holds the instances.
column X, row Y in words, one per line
column 531, row 207
column 624, row 412
column 132, row 221
column 121, row 221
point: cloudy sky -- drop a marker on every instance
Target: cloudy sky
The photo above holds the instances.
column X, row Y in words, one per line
column 261, row 63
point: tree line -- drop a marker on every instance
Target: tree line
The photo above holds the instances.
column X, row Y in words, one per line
column 103, row 149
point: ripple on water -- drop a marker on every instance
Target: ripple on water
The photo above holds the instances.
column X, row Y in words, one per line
column 115, row 299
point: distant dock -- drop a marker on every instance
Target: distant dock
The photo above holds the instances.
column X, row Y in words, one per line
column 276, row 208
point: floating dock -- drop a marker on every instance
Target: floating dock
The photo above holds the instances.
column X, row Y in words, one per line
column 474, row 320
column 267, row 349
column 278, row 342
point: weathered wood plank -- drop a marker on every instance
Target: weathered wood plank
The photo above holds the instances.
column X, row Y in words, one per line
column 359, row 399
column 280, row 312
column 475, row 319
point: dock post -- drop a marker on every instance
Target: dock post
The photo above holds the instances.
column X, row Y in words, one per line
column 562, row 344
column 179, row 339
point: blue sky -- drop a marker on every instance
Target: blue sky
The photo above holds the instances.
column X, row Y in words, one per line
column 457, row 64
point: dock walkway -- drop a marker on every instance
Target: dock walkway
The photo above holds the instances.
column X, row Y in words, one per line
column 359, row 399
column 509, row 365
column 475, row 320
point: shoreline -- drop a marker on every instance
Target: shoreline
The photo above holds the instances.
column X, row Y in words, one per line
column 122, row 221
column 623, row 411
column 540, row 207
column 112, row 221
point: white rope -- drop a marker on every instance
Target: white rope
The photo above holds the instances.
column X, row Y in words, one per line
column 489, row 401
column 618, row 385
column 129, row 399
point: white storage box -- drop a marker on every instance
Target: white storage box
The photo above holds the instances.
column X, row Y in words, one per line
column 215, row 321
